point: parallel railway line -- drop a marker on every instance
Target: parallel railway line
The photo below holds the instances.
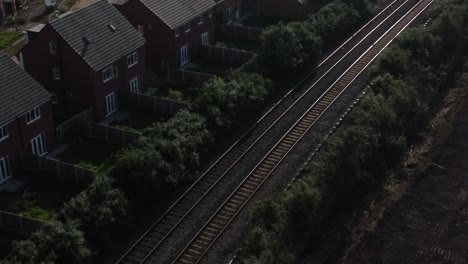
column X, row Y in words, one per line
column 145, row 247
column 206, row 237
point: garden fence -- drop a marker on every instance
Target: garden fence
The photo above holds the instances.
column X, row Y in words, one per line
column 64, row 171
column 240, row 32
column 106, row 133
column 19, row 224
column 67, row 131
column 156, row 104
column 225, row 55
column 195, row 79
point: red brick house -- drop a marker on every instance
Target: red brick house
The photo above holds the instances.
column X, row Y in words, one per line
column 87, row 58
column 289, row 9
column 228, row 11
column 174, row 29
column 26, row 120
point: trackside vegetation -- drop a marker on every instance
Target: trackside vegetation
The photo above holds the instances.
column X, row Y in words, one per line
column 406, row 86
column 287, row 47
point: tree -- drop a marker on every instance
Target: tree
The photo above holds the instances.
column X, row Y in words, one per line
column 55, row 242
column 224, row 101
column 286, row 47
column 100, row 208
column 164, row 157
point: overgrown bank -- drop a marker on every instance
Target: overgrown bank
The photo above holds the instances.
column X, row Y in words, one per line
column 406, row 86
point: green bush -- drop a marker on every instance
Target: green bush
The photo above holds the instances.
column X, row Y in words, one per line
column 56, row 242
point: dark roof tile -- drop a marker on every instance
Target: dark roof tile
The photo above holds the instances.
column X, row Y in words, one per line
column 19, row 92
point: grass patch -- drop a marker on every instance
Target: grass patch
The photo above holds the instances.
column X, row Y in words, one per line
column 41, row 198
column 262, row 21
column 139, row 122
column 93, row 155
column 176, row 91
column 8, row 38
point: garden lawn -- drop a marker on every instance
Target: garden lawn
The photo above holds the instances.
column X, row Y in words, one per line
column 139, row 121
column 41, row 198
column 93, row 155
column 8, row 38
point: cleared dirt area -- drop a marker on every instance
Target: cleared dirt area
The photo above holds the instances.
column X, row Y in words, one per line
column 423, row 218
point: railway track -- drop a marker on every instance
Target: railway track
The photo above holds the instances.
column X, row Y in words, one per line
column 165, row 225
column 211, row 231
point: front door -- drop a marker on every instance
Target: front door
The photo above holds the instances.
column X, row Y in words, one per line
column 38, row 146
column 5, row 172
column 111, row 104
column 184, row 55
column 204, row 38
column 237, row 11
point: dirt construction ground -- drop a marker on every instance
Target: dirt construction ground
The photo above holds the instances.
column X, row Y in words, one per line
column 424, row 216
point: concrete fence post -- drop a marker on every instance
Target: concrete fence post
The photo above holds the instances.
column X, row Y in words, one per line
column 107, row 133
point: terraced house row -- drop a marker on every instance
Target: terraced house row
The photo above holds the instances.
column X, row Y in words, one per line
column 95, row 56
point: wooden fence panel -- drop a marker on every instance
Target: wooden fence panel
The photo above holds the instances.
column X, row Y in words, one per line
column 225, row 55
column 195, row 79
column 155, row 104
column 19, row 224
column 240, row 32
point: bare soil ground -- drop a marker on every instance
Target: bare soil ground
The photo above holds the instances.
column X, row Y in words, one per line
column 423, row 215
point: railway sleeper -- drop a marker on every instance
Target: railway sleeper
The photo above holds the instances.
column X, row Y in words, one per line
column 194, row 251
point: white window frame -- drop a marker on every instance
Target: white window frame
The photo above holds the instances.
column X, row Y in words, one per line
column 52, row 47
column 229, row 15
column 141, row 29
column 38, row 145
column 109, row 73
column 177, row 32
column 205, row 38
column 56, row 73
column 33, row 115
column 200, row 20
column 210, row 13
column 4, row 133
column 132, row 59
column 5, row 169
column 135, row 86
column 184, row 59
column 237, row 11
column 187, row 27
column 111, row 104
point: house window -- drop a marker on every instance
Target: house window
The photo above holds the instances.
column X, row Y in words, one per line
column 141, row 29
column 56, row 73
column 229, row 15
column 38, row 146
column 33, row 115
column 205, row 38
column 135, row 85
column 187, row 27
column 3, row 132
column 111, row 104
column 184, row 55
column 177, row 32
column 54, row 98
column 109, row 73
column 210, row 13
column 200, row 20
column 52, row 47
column 132, row 59
column 5, row 171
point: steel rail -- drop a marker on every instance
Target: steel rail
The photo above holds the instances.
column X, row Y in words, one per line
column 127, row 254
column 275, row 158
